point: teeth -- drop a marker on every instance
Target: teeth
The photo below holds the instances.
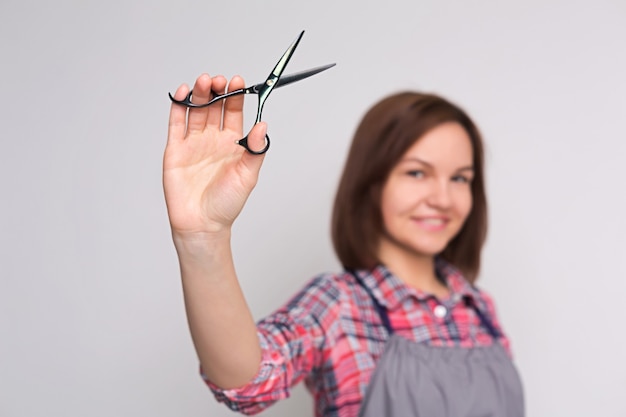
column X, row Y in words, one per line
column 433, row 221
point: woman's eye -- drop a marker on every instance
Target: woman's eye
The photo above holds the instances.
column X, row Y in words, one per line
column 416, row 173
column 461, row 179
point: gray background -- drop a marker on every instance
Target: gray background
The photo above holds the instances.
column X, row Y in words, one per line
column 91, row 314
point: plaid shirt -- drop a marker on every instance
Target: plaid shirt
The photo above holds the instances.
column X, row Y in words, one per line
column 331, row 336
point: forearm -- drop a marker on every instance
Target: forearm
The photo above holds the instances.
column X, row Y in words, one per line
column 222, row 328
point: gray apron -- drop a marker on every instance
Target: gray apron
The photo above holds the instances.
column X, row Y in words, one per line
column 419, row 380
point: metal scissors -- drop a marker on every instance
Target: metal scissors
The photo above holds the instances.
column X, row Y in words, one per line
column 263, row 90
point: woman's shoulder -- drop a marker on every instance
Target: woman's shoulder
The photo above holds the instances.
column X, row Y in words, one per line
column 327, row 288
column 320, row 303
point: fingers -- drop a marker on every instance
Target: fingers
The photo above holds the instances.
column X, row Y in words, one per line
column 233, row 108
column 197, row 119
column 178, row 116
column 229, row 117
column 214, row 118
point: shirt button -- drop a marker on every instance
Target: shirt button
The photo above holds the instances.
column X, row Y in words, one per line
column 440, row 311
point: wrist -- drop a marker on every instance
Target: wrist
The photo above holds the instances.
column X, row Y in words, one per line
column 200, row 242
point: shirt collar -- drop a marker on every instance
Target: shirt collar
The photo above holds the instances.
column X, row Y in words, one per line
column 390, row 291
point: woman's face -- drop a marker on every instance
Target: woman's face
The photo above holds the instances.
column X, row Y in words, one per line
column 428, row 196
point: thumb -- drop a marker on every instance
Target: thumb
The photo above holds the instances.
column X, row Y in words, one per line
column 256, row 140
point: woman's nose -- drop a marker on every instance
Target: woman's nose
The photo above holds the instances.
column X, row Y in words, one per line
column 439, row 195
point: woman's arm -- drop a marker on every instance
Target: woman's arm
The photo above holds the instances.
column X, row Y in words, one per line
column 207, row 178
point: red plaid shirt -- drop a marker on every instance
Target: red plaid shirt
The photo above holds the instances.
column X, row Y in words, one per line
column 331, row 336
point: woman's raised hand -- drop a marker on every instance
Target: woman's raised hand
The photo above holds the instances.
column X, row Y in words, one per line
column 207, row 176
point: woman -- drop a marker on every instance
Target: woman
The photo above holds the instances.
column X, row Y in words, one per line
column 402, row 331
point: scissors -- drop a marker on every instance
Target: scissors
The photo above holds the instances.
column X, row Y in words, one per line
column 263, row 90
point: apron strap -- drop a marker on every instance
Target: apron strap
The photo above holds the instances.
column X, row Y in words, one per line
column 484, row 320
column 382, row 311
column 384, row 317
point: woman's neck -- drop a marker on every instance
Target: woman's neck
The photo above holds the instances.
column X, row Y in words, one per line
column 415, row 270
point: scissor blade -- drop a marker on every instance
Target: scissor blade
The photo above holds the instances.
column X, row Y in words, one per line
column 282, row 63
column 292, row 78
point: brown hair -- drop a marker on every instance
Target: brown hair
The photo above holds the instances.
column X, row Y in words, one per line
column 385, row 133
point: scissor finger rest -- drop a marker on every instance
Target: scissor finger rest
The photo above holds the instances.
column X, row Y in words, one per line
column 187, row 101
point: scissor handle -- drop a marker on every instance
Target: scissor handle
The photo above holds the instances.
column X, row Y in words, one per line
column 216, row 97
column 244, row 142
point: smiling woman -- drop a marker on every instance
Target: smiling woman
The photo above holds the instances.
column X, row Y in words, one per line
column 402, row 330
column 426, row 200
column 395, row 132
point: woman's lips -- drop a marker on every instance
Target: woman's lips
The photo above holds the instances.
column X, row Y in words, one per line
column 433, row 224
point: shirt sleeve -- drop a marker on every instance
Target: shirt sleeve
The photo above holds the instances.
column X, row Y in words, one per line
column 292, row 341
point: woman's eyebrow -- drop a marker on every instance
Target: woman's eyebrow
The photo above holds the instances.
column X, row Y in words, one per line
column 415, row 159
column 428, row 164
